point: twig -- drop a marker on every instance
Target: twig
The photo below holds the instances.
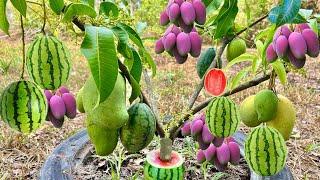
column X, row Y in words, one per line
column 44, row 17
column 251, row 25
column 23, row 47
column 175, row 130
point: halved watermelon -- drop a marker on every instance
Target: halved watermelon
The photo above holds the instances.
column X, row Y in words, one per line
column 215, row 82
column 156, row 169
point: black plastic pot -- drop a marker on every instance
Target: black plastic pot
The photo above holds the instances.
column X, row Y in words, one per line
column 73, row 151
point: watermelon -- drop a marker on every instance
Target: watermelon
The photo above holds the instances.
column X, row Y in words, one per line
column 24, row 106
column 222, row 117
column 48, row 62
column 140, row 129
column 205, row 61
column 265, row 151
column 155, row 169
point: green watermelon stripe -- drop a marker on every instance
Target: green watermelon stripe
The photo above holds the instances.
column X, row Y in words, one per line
column 29, row 95
column 216, row 114
column 31, row 65
column 258, row 149
column 50, row 82
column 275, row 153
column 65, row 54
column 15, row 106
column 40, row 110
column 58, row 62
column 230, row 110
column 223, row 116
column 281, row 148
column 248, row 143
column 266, row 150
column 208, row 114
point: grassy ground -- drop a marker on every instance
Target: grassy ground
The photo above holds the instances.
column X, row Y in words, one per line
column 22, row 157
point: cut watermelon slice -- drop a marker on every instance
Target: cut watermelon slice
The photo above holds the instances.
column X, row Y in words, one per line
column 215, row 82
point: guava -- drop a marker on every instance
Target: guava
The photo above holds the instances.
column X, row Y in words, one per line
column 266, row 104
column 248, row 114
column 235, row 49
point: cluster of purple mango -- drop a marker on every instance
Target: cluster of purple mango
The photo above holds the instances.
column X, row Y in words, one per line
column 61, row 103
column 217, row 151
column 181, row 37
column 293, row 46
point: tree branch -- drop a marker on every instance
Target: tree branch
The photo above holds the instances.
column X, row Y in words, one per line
column 175, row 130
column 23, row 47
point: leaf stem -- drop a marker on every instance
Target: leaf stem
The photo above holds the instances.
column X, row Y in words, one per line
column 44, row 17
column 23, row 47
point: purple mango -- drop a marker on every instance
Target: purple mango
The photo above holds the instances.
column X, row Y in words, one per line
column 200, row 10
column 210, row 152
column 200, row 156
column 179, row 2
column 281, row 46
column 183, row 44
column 282, row 30
column 179, row 59
column 196, row 43
column 223, row 154
column 164, row 18
column 298, row 63
column 186, row 129
column 185, row 28
column 217, row 141
column 175, row 30
column 300, row 27
column 48, row 95
column 312, row 42
column 174, row 12
column 71, row 105
column 297, row 45
column 169, row 41
column 206, row 134
column 188, row 13
column 234, row 153
column 271, row 54
column 57, row 107
column 196, row 128
column 57, row 123
column 220, row 167
column 159, row 47
column 202, row 145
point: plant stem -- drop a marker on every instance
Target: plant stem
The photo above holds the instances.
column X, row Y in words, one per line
column 272, row 80
column 175, row 130
column 23, row 47
column 44, row 17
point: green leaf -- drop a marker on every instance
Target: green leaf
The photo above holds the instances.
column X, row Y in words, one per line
column 78, row 9
column 306, row 13
column 109, row 9
column 314, row 25
column 285, row 12
column 298, row 19
column 281, row 71
column 136, row 69
column 89, row 2
column 123, row 40
column 225, row 19
column 99, row 48
column 213, row 5
column 4, row 24
column 146, row 57
column 56, row 6
column 133, row 35
column 242, row 58
column 256, row 62
column 136, row 91
column 241, row 74
column 21, row 6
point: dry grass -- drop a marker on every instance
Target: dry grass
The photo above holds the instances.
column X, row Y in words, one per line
column 22, row 157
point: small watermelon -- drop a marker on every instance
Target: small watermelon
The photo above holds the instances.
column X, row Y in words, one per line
column 222, row 117
column 48, row 62
column 24, row 106
column 265, row 151
column 156, row 169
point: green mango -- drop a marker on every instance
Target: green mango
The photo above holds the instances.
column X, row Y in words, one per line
column 266, row 104
column 111, row 113
column 248, row 114
column 235, row 48
column 205, row 61
column 104, row 140
column 79, row 101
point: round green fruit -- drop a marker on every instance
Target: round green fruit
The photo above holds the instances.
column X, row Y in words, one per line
column 156, row 169
column 285, row 118
column 140, row 130
column 222, row 117
column 235, row 49
column 24, row 106
column 265, row 151
column 48, row 62
column 248, row 114
column 266, row 104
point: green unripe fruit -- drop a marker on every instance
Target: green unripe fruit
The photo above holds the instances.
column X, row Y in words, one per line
column 235, row 49
column 248, row 114
column 266, row 104
column 205, row 61
column 80, row 101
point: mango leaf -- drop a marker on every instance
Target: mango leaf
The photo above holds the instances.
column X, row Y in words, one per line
column 236, row 79
column 89, row 2
column 136, row 69
column 109, row 9
column 314, row 25
column 281, row 71
column 225, row 19
column 78, row 9
column 133, row 35
column 285, row 12
column 298, row 19
column 4, row 24
column 99, row 48
column 136, row 91
column 21, row 6
column 242, row 58
column 256, row 64
column 212, row 6
column 56, row 6
column 146, row 57
column 123, row 40
column 306, row 13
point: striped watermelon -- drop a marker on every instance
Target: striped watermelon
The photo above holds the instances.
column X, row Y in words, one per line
column 140, row 129
column 24, row 106
column 155, row 169
column 222, row 117
column 265, row 151
column 48, row 62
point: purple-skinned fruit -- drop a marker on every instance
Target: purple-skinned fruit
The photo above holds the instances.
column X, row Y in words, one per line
column 174, row 12
column 169, row 41
column 298, row 63
column 179, row 2
column 220, row 167
column 223, row 154
column 301, row 27
column 57, row 123
column 298, row 45
column 196, row 128
column 48, row 95
column 206, row 134
column 271, row 54
column 217, row 141
column 312, row 42
column 200, row 10
column 202, row 145
column 71, row 105
column 63, row 90
column 188, row 13
column 282, row 30
column 200, row 156
column 186, row 129
column 57, row 107
column 200, row 116
column 210, row 152
column 184, row 27
column 196, row 43
column 230, row 139
column 175, row 30
column 159, row 47
column 183, row 44
column 164, row 18
column 234, row 153
column 281, row 46
column 179, row 59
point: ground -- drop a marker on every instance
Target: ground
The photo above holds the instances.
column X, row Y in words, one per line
column 23, row 156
